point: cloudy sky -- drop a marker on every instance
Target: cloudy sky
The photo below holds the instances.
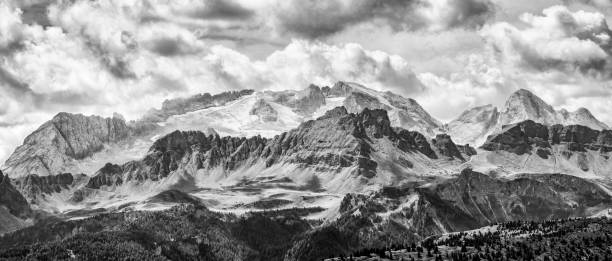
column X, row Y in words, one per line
column 126, row 56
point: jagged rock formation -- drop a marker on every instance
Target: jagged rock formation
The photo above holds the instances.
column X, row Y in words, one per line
column 11, row 199
column 188, row 150
column 447, row 147
column 14, row 208
column 65, row 138
column 403, row 112
column 524, row 105
column 336, row 140
column 304, row 102
column 475, row 124
column 33, row 186
column 68, row 139
column 526, row 136
column 108, row 175
column 264, row 111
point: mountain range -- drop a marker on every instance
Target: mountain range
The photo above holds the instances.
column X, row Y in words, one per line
column 363, row 167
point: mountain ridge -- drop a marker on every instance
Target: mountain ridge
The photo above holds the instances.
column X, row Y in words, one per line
column 475, row 124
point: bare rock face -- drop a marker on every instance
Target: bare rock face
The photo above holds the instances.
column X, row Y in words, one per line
column 336, row 140
column 447, row 147
column 65, row 138
column 531, row 197
column 358, row 101
column 14, row 208
column 413, row 140
column 181, row 150
column 11, row 199
column 474, row 125
column 523, row 137
column 33, row 186
column 303, row 102
column 108, row 175
column 264, row 111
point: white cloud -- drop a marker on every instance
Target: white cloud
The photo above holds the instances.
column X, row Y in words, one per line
column 11, row 27
column 557, row 40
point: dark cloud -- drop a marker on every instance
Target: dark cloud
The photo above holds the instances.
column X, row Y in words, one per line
column 221, row 9
column 14, row 86
column 36, row 14
column 171, row 46
column 313, row 18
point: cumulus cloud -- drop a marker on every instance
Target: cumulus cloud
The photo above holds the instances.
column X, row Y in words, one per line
column 312, row 19
column 302, row 62
column 11, row 27
column 559, row 39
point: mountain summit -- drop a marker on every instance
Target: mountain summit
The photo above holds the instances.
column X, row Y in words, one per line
column 474, row 125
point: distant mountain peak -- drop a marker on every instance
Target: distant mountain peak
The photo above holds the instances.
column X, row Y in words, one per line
column 475, row 124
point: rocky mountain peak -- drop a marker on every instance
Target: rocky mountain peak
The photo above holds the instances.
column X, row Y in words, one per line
column 474, row 125
column 334, row 113
column 180, row 142
column 376, row 123
column 65, row 138
column 523, row 105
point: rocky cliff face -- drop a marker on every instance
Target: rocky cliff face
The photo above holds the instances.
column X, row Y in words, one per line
column 337, row 140
column 65, row 138
column 526, row 136
column 403, row 112
column 11, row 199
column 264, row 111
column 14, row 208
column 474, row 125
column 34, row 187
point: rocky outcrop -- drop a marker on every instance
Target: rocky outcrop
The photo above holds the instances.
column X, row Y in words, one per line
column 303, row 102
column 445, row 145
column 33, row 186
column 356, row 102
column 65, row 138
column 264, row 111
column 336, row 140
column 14, row 208
column 108, row 175
column 340, row 89
column 190, row 150
column 197, row 102
column 528, row 136
column 474, row 125
column 11, row 199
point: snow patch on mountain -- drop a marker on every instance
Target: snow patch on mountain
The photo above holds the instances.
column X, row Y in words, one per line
column 474, row 125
